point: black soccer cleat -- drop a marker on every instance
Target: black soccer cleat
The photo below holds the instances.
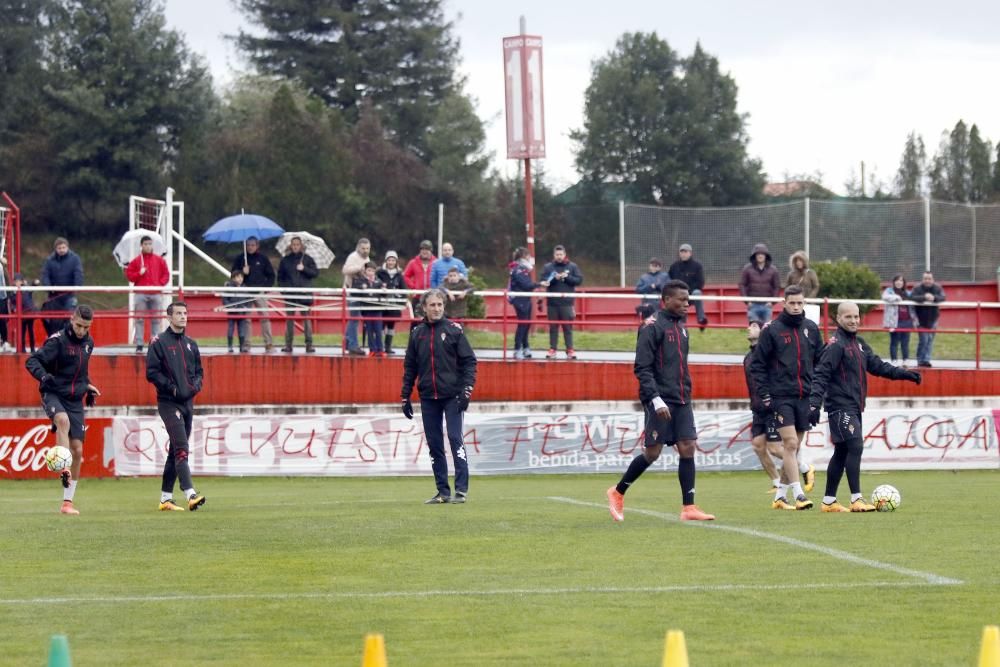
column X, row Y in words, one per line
column 438, row 499
column 65, row 478
column 459, row 498
column 196, row 501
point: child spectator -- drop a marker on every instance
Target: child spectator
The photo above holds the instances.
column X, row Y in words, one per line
column 392, row 278
column 27, row 306
column 371, row 314
column 457, row 287
column 898, row 320
column 234, row 304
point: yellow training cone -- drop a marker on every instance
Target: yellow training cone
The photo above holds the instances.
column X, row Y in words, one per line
column 676, row 653
column 374, row 651
column 989, row 653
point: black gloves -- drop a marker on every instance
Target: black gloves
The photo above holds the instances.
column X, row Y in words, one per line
column 48, row 382
column 407, row 408
column 91, row 399
column 912, row 376
column 197, row 386
column 463, row 398
column 813, row 415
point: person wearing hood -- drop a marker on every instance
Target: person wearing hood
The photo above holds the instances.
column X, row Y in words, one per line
column 841, row 383
column 561, row 276
column 391, row 278
column 800, row 274
column 298, row 270
column 788, row 350
column 62, row 368
column 63, row 267
column 760, row 279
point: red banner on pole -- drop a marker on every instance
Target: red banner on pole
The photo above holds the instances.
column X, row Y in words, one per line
column 522, row 66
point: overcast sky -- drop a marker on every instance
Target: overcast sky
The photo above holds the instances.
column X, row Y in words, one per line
column 826, row 85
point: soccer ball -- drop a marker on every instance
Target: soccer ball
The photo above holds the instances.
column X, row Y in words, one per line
column 886, row 498
column 58, row 458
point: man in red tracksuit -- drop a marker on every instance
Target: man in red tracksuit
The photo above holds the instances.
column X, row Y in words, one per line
column 147, row 270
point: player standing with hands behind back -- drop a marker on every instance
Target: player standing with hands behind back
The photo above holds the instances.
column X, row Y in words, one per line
column 441, row 362
column 173, row 366
column 61, row 366
column 661, row 367
column 842, row 381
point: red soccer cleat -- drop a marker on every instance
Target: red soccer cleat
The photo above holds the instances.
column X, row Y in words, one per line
column 67, row 508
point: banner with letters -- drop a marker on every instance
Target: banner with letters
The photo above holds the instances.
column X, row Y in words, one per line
column 24, row 443
column 507, row 443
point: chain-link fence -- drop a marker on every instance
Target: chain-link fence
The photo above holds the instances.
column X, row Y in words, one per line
column 959, row 242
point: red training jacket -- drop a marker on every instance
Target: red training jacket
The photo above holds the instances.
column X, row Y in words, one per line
column 416, row 276
column 157, row 273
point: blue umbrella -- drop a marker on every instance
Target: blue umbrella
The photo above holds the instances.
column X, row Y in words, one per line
column 241, row 227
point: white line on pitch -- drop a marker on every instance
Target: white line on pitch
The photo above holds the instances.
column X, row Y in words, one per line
column 928, row 577
column 520, row 592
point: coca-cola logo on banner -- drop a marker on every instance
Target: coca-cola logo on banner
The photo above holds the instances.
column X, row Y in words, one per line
column 24, row 452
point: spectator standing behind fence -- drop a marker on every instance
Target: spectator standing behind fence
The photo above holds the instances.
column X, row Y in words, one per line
column 4, row 308
column 27, row 307
column 520, row 281
column 457, row 287
column 234, row 303
column 418, row 273
column 298, row 270
column 652, row 283
column 443, row 264
column 63, row 267
column 391, row 277
column 760, row 279
column 561, row 276
column 800, row 274
column 147, row 270
column 369, row 304
column 354, row 268
column 258, row 272
column 930, row 294
column 898, row 319
column 690, row 271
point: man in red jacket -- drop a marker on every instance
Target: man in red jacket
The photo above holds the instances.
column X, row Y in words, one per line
column 147, row 270
column 418, row 273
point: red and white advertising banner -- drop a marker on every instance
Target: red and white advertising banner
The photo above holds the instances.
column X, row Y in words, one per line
column 24, row 442
column 388, row 444
column 522, row 68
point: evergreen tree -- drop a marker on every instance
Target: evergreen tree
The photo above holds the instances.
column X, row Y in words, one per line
column 979, row 167
column 398, row 57
column 123, row 89
column 910, row 176
column 666, row 125
column 957, row 163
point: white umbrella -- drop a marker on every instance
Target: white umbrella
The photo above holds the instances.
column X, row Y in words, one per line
column 130, row 246
column 315, row 247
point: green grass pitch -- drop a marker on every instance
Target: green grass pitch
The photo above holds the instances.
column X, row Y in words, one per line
column 532, row 571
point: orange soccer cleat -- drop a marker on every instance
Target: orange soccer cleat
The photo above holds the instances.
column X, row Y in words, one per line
column 694, row 513
column 616, row 504
column 67, row 508
column 834, row 507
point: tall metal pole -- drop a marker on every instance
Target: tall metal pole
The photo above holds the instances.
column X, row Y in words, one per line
column 440, row 228
column 927, row 233
column 529, row 205
column 621, row 242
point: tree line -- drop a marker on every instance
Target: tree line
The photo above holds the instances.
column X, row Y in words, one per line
column 351, row 120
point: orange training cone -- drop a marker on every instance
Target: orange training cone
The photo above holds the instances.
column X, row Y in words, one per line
column 374, row 651
column 989, row 652
column 676, row 653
